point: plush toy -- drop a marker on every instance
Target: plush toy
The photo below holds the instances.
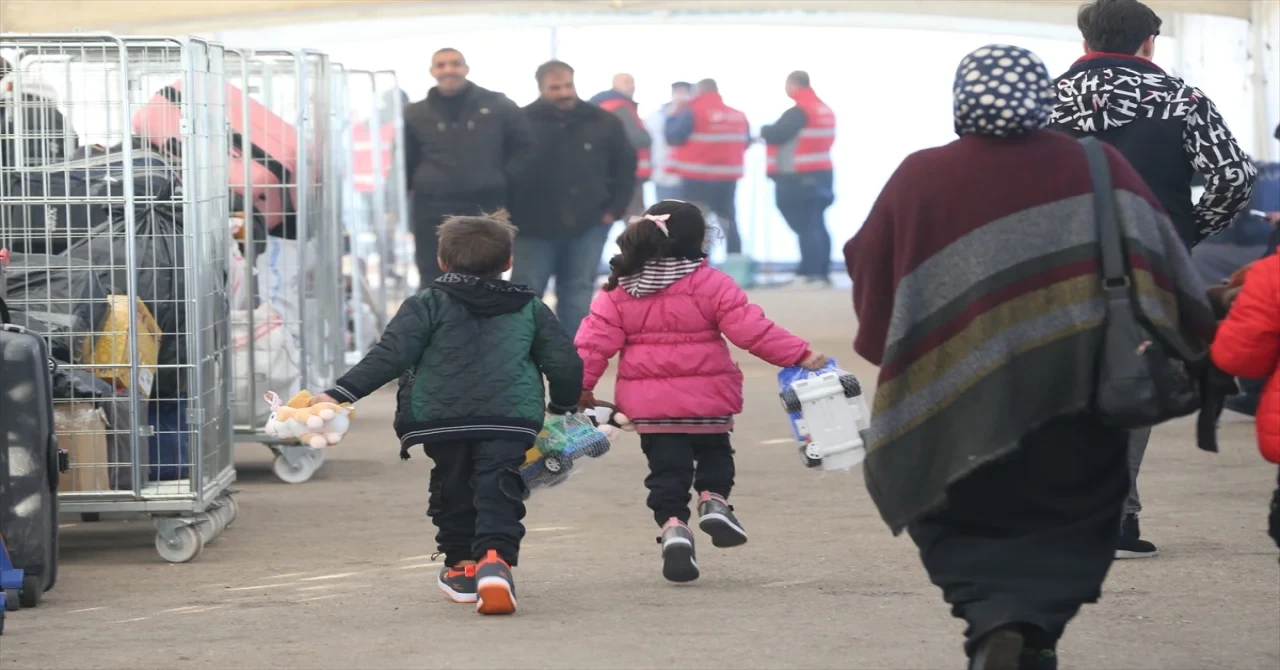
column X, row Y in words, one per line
column 317, row 426
column 609, row 420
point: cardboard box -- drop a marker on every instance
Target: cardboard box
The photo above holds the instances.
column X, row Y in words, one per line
column 108, row 351
column 82, row 431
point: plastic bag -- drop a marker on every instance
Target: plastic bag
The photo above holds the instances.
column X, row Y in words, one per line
column 161, row 274
column 562, row 441
column 275, row 362
column 280, row 279
column 109, row 349
column 58, row 297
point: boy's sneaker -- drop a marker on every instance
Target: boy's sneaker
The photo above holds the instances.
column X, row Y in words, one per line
column 679, row 562
column 715, row 518
column 495, row 589
column 459, row 583
column 1131, row 543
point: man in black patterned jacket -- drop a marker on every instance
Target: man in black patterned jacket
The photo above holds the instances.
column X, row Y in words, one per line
column 1169, row 131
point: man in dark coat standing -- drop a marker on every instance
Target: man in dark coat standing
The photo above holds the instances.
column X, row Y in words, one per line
column 463, row 145
column 580, row 180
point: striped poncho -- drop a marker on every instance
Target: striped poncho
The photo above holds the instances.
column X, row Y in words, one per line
column 976, row 286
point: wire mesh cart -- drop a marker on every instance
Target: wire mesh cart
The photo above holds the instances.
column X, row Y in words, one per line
column 114, row 206
column 287, row 310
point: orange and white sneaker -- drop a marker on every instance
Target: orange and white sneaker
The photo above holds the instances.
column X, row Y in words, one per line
column 495, row 589
column 459, row 583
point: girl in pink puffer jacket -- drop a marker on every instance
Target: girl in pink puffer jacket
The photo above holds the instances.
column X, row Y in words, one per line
column 676, row 379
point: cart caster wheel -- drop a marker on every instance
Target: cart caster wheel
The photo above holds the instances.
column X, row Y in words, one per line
column 227, row 512
column 91, row 517
column 289, row 474
column 11, row 600
column 209, row 525
column 32, row 591
column 187, row 544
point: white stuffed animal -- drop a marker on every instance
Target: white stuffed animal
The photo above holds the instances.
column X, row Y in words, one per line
column 318, row 426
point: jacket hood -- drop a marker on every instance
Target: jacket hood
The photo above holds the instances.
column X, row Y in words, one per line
column 605, row 96
column 1105, row 91
column 485, row 297
column 659, row 274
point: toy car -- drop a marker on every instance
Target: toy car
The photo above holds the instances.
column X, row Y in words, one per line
column 563, row 440
column 828, row 414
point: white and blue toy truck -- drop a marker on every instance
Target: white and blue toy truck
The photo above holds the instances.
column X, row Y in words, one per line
column 828, row 415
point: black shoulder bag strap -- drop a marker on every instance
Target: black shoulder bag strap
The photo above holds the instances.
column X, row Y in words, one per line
column 1115, row 277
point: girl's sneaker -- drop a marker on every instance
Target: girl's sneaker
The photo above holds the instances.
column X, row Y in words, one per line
column 495, row 589
column 459, row 583
column 715, row 518
column 679, row 562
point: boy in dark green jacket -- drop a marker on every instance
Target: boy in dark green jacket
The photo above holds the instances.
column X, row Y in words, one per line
column 471, row 351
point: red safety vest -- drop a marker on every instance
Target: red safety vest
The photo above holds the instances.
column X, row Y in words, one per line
column 644, row 168
column 716, row 149
column 810, row 151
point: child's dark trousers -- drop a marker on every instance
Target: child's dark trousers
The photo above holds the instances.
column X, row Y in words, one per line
column 477, row 498
column 680, row 461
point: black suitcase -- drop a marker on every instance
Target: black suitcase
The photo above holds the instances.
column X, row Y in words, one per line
column 29, row 506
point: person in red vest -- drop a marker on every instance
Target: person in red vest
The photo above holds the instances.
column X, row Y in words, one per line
column 709, row 141
column 800, row 166
column 620, row 100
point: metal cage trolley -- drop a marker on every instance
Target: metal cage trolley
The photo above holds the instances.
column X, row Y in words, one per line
column 369, row 218
column 119, row 258
column 287, row 312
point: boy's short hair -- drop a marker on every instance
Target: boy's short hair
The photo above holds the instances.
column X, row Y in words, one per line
column 477, row 245
column 1117, row 26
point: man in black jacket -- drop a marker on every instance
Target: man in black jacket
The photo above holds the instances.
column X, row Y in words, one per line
column 463, row 145
column 580, row 180
column 1169, row 131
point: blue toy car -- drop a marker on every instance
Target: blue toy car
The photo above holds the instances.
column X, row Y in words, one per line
column 827, row 414
column 563, row 440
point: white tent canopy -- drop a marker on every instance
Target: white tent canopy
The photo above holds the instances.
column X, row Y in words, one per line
column 163, row 16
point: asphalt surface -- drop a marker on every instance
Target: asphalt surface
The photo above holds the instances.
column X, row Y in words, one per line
column 336, row 572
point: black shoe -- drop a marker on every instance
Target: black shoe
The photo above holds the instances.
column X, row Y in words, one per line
column 1131, row 543
column 999, row 650
column 1038, row 659
column 459, row 583
column 679, row 561
column 495, row 589
column 715, row 518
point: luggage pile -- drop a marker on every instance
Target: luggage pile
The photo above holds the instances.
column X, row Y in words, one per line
column 170, row 250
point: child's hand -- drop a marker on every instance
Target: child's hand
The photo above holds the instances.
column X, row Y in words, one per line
column 322, row 398
column 587, row 400
column 814, row 361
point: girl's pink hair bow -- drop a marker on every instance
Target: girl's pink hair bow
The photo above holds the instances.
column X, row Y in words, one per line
column 659, row 220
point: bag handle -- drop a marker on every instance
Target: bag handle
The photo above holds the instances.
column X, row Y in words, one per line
column 1115, row 278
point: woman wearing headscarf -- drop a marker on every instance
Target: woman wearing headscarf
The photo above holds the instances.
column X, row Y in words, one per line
column 976, row 285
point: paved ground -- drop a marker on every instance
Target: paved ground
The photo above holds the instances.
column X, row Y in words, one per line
column 336, row 573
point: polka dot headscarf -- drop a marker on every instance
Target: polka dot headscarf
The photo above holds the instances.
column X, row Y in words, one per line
column 1003, row 91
